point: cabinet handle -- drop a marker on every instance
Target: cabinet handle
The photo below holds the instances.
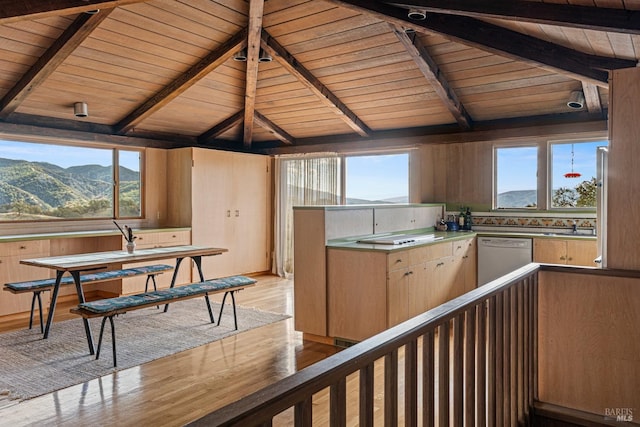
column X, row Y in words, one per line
column 569, row 259
column 23, row 247
column 465, row 257
column 562, row 258
column 237, row 213
column 398, row 260
column 440, row 264
column 228, row 214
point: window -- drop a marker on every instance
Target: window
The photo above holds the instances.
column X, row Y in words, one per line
column 377, row 179
column 516, row 177
column 572, row 174
column 48, row 182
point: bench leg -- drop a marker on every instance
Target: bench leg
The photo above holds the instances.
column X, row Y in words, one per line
column 233, row 300
column 146, row 285
column 36, row 296
column 113, row 338
column 206, row 298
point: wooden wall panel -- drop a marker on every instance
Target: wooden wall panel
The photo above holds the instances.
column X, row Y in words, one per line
column 589, row 341
column 623, row 230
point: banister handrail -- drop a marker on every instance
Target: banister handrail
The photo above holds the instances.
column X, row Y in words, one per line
column 263, row 405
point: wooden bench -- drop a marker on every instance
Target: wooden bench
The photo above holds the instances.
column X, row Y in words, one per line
column 110, row 307
column 39, row 286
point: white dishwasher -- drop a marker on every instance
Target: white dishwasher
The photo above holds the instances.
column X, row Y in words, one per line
column 498, row 256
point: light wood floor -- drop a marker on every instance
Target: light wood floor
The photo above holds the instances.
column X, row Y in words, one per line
column 180, row 388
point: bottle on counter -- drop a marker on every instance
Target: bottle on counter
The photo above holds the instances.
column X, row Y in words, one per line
column 467, row 220
column 461, row 219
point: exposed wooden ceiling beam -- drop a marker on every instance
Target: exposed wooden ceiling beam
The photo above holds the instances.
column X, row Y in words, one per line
column 434, row 75
column 64, row 46
column 573, row 125
column 500, row 41
column 592, row 98
column 13, row 11
column 198, row 71
column 277, row 131
column 307, row 78
column 588, row 18
column 221, row 127
column 256, row 8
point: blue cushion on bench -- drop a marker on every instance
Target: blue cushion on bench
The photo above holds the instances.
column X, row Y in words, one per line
column 165, row 295
column 89, row 277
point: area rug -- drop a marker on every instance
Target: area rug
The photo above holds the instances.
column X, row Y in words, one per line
column 31, row 366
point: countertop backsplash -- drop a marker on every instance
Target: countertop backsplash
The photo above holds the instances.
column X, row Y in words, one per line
column 535, row 222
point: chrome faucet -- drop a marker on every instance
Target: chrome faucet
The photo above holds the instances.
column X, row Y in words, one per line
column 574, row 228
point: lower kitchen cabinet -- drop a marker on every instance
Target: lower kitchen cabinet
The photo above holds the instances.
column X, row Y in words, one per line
column 565, row 251
column 370, row 291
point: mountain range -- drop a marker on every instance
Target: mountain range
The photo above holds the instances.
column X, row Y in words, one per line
column 49, row 186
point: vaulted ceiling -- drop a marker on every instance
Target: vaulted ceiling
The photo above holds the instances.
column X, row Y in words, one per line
column 165, row 73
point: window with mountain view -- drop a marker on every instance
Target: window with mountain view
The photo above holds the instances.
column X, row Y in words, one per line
column 380, row 178
column 516, row 177
column 573, row 174
column 48, row 182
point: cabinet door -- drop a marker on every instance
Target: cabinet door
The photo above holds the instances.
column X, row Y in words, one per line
column 231, row 210
column 551, row 251
column 440, row 275
column 582, row 252
column 418, row 290
column 393, row 219
column 397, row 296
column 12, row 271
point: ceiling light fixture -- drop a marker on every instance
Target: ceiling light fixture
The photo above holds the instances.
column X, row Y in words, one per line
column 417, row 14
column 241, row 56
column 264, row 56
column 576, row 100
column 80, row 109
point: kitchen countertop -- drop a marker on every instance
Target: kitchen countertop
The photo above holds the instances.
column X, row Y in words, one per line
column 448, row 236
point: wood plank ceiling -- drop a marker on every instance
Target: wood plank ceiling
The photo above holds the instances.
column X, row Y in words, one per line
column 165, row 73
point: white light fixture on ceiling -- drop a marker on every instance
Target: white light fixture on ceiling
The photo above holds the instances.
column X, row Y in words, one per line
column 417, row 14
column 241, row 56
column 264, row 56
column 576, row 100
column 80, row 109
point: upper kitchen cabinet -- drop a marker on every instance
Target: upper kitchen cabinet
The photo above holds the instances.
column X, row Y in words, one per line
column 225, row 198
column 403, row 218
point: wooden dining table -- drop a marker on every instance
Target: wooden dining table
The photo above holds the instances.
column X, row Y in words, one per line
column 78, row 263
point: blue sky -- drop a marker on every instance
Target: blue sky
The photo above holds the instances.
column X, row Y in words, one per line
column 377, row 177
column 64, row 156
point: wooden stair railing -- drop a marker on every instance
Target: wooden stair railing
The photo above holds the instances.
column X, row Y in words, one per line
column 470, row 361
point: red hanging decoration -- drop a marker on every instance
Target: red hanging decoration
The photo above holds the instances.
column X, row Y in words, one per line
column 572, row 174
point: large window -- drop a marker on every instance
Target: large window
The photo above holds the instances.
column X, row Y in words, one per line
column 48, row 182
column 573, row 174
column 377, row 179
column 516, row 181
column 569, row 168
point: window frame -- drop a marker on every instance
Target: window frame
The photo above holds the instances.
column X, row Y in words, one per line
column 494, row 198
column 115, row 165
column 544, row 178
column 343, row 171
column 549, row 180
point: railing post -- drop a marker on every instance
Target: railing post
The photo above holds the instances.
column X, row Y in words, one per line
column 390, row 389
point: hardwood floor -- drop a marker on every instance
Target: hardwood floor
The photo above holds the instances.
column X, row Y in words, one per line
column 180, row 388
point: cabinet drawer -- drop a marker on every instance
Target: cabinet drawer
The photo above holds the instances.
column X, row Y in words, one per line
column 144, row 240
column 460, row 247
column 174, row 238
column 430, row 252
column 397, row 260
column 25, row 247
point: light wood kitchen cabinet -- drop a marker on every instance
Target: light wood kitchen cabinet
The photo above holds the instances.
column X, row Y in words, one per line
column 390, row 219
column 12, row 271
column 369, row 291
column 565, row 251
column 225, row 198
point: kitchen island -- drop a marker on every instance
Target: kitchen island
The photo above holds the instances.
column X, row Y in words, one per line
column 372, row 287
